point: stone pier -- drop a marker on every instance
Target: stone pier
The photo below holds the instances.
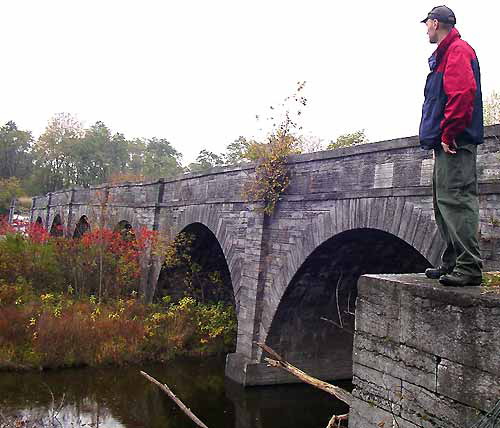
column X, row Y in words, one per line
column 424, row 355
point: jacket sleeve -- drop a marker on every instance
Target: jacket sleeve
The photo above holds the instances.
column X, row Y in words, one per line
column 460, row 88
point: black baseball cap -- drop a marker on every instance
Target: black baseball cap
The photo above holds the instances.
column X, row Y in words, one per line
column 443, row 14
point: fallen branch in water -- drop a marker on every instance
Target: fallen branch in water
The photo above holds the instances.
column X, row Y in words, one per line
column 278, row 361
column 181, row 405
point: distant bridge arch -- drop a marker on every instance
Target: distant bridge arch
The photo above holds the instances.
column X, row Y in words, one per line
column 57, row 226
column 196, row 219
column 210, row 281
column 82, row 227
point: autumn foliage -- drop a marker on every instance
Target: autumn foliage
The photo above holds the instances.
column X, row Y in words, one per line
column 51, row 314
column 101, row 262
column 271, row 177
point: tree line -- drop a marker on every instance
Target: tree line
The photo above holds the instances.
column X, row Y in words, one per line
column 67, row 154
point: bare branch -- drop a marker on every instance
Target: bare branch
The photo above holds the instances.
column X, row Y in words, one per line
column 336, row 325
column 349, row 302
column 337, row 299
column 181, row 405
column 278, row 361
column 337, row 419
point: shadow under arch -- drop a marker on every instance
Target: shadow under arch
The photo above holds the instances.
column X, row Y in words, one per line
column 196, row 265
column 325, row 287
column 57, row 227
column 82, row 227
column 39, row 221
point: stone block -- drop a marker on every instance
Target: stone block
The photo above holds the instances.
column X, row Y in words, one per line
column 468, row 385
column 460, row 325
column 444, row 352
column 383, row 175
column 426, row 169
column 399, row 360
column 429, row 410
column 364, row 414
column 379, row 388
column 378, row 309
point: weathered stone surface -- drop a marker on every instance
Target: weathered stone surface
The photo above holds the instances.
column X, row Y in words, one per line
column 383, row 175
column 399, row 360
column 468, row 385
column 365, row 414
column 428, row 410
column 377, row 387
column 461, row 323
column 439, row 366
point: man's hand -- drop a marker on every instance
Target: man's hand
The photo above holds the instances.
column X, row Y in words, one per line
column 451, row 149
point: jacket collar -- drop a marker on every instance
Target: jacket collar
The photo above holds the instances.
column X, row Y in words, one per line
column 438, row 54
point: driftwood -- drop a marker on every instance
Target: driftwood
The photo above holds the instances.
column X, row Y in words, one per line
column 278, row 361
column 337, row 419
column 179, row 403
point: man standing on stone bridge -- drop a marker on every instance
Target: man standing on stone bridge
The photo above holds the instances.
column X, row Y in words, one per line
column 452, row 126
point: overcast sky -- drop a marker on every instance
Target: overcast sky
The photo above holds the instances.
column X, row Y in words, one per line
column 197, row 72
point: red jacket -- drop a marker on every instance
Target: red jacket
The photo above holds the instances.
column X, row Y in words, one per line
column 453, row 107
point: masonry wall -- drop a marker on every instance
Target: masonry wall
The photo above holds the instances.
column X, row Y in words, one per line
column 424, row 355
column 384, row 186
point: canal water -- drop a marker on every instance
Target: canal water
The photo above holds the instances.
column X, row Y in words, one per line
column 121, row 397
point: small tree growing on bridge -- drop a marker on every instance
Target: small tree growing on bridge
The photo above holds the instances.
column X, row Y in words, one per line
column 271, row 172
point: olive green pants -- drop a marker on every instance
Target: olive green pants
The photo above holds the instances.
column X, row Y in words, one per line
column 456, row 207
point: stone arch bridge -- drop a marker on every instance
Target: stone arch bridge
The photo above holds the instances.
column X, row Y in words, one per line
column 364, row 209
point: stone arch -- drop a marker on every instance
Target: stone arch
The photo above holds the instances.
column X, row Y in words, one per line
column 211, row 217
column 82, row 227
column 325, row 288
column 393, row 215
column 57, row 229
column 122, row 225
column 126, row 215
column 126, row 230
column 77, row 213
column 197, row 245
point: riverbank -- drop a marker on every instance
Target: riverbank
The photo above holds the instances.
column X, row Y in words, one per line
column 55, row 330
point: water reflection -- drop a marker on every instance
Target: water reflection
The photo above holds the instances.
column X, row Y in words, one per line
column 116, row 398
